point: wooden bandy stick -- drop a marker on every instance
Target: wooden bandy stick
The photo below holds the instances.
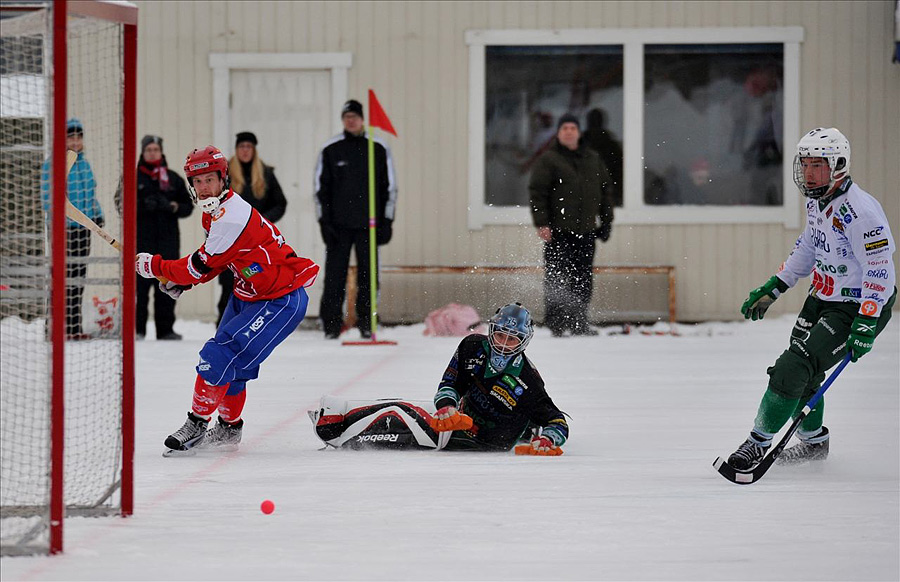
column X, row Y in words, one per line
column 82, row 219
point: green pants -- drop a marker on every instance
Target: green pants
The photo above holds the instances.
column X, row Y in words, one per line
column 818, row 342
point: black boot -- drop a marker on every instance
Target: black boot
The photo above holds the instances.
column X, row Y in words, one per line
column 750, row 453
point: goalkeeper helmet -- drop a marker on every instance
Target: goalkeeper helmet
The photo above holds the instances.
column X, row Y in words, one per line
column 510, row 329
column 209, row 159
column 830, row 145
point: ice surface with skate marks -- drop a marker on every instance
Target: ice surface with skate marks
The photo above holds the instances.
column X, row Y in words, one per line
column 634, row 497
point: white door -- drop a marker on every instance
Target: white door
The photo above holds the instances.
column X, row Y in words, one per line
column 290, row 113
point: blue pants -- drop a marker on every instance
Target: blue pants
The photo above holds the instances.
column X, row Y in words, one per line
column 246, row 336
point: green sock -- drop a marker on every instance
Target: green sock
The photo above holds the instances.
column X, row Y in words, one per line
column 774, row 411
column 813, row 420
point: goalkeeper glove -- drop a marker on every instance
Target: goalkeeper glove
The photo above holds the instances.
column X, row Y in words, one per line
column 761, row 298
column 539, row 445
column 548, row 442
column 449, row 418
column 862, row 336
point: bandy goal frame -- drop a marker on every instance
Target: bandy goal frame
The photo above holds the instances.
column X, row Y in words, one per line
column 69, row 70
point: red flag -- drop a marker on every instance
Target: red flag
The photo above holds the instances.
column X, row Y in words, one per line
column 377, row 117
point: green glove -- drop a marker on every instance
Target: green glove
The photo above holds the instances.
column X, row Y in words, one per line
column 862, row 336
column 762, row 297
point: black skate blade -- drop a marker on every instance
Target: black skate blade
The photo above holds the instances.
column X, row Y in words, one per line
column 743, row 477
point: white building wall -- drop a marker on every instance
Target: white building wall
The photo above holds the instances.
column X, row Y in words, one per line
column 414, row 55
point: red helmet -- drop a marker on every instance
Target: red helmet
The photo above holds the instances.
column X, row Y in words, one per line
column 209, row 159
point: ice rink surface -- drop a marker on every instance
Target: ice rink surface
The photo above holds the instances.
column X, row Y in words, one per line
column 634, row 497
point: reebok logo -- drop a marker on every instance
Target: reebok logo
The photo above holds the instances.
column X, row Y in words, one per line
column 374, row 438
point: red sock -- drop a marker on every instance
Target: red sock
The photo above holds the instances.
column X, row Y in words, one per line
column 231, row 407
column 206, row 397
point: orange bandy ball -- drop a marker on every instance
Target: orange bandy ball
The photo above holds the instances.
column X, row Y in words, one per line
column 267, row 507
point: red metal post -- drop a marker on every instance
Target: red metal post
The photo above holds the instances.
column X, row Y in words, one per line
column 58, row 277
column 129, row 117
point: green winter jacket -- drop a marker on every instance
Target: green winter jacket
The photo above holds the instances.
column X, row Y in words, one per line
column 570, row 189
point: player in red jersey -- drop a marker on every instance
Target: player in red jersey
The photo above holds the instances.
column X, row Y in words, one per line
column 268, row 302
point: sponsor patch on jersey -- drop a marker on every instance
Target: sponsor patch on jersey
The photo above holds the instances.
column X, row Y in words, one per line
column 874, row 286
column 874, row 232
column 218, row 214
column 823, row 284
column 876, row 245
column 851, row 292
column 253, row 269
column 503, row 396
column 838, row 226
column 193, row 271
column 868, row 308
column 828, row 212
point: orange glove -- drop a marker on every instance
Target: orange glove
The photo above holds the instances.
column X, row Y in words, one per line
column 449, row 418
column 539, row 445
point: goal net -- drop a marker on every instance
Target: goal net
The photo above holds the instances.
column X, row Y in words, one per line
column 66, row 340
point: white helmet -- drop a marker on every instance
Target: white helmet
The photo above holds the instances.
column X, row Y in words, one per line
column 822, row 143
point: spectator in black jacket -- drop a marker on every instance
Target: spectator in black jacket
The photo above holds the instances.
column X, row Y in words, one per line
column 256, row 183
column 162, row 198
column 342, row 207
column 571, row 205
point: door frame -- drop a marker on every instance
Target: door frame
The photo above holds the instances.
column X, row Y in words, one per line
column 222, row 64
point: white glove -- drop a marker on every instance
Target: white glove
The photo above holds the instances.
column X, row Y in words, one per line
column 143, row 265
column 172, row 289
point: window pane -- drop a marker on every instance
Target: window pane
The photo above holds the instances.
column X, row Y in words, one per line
column 713, row 124
column 528, row 89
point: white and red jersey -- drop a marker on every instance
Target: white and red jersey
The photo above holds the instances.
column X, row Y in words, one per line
column 847, row 246
column 240, row 239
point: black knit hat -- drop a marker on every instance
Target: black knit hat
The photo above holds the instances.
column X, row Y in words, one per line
column 245, row 136
column 568, row 118
column 352, row 106
column 148, row 139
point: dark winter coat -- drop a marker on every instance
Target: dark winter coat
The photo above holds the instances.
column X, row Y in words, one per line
column 502, row 404
column 273, row 203
column 157, row 221
column 569, row 190
column 342, row 182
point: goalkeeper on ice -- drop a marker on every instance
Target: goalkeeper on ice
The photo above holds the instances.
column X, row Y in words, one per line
column 490, row 398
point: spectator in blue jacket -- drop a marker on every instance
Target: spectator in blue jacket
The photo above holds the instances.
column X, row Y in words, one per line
column 80, row 190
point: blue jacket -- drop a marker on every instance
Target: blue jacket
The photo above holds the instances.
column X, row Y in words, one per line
column 80, row 190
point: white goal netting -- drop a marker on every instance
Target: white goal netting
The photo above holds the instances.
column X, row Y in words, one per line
column 94, row 275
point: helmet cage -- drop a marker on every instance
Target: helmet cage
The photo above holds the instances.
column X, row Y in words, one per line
column 210, row 159
column 830, row 145
column 513, row 321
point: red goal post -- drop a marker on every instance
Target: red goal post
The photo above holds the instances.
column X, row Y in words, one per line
column 66, row 299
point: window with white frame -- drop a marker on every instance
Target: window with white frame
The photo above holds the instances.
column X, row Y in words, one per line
column 702, row 117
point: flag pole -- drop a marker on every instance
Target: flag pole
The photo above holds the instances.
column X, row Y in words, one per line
column 377, row 118
column 373, row 259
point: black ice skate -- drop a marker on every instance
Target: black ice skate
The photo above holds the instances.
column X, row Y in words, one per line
column 750, row 453
column 224, row 436
column 190, row 435
column 810, row 448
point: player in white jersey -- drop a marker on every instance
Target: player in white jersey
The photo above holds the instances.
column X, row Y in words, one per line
column 847, row 247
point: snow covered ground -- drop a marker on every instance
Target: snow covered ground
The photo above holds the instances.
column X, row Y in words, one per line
column 634, row 497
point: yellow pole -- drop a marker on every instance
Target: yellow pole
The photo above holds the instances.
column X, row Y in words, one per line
column 373, row 275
